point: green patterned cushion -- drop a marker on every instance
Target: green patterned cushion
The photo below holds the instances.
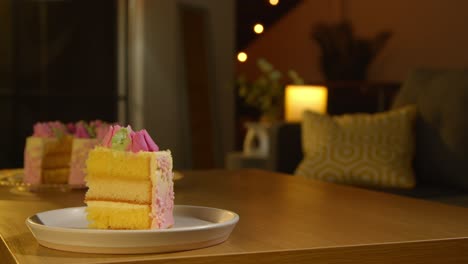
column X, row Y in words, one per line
column 360, row 149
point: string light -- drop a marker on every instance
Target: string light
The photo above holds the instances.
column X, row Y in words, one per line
column 258, row 28
column 274, row 2
column 242, row 56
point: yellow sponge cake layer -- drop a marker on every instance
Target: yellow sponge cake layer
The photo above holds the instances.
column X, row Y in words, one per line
column 59, row 176
column 46, row 160
column 54, row 145
column 106, row 163
column 119, row 190
column 114, row 215
column 56, row 160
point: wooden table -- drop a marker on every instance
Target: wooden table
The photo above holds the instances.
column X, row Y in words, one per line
column 282, row 219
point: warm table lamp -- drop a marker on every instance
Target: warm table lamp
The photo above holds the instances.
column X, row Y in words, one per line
column 304, row 97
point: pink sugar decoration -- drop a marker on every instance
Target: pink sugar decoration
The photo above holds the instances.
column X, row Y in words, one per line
column 71, row 128
column 42, row 130
column 149, row 141
column 101, row 131
column 138, row 142
column 107, row 140
column 81, row 131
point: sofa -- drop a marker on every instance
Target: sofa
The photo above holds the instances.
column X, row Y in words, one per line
column 441, row 129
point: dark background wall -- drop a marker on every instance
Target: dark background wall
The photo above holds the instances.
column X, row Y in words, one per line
column 60, row 64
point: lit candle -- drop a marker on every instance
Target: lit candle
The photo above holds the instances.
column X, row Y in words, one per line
column 300, row 98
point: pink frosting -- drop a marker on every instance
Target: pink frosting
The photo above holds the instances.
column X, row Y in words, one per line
column 99, row 127
column 80, row 130
column 139, row 140
column 42, row 130
column 32, row 167
column 71, row 128
column 107, row 139
column 101, row 131
column 142, row 141
column 96, row 123
column 49, row 129
column 162, row 205
column 151, row 145
column 81, row 148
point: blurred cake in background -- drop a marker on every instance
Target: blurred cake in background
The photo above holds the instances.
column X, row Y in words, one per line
column 56, row 153
column 47, row 154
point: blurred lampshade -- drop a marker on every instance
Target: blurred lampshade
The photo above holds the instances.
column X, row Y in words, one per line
column 304, row 97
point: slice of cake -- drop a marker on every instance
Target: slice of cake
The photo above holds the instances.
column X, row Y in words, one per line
column 47, row 154
column 130, row 182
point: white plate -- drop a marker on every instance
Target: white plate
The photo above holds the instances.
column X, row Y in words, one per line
column 195, row 227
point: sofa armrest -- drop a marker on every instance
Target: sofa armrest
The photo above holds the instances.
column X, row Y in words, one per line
column 286, row 146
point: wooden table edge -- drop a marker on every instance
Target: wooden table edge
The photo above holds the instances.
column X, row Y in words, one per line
column 447, row 250
column 6, row 254
column 450, row 250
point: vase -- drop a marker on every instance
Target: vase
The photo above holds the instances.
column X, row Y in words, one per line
column 256, row 140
